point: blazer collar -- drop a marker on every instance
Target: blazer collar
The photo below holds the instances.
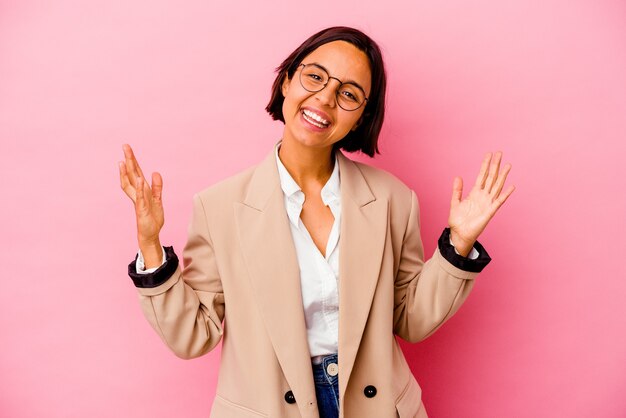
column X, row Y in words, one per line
column 266, row 179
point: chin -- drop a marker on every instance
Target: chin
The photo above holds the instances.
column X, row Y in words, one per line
column 315, row 140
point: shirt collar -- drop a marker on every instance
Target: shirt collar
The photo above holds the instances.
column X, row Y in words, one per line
column 330, row 191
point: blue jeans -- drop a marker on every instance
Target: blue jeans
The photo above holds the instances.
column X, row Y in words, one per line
column 327, row 386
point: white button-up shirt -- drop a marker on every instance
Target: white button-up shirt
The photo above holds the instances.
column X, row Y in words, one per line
column 319, row 275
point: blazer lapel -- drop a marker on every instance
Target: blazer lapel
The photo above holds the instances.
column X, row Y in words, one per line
column 270, row 256
column 271, row 260
column 362, row 241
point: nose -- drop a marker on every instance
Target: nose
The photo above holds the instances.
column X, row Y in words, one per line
column 328, row 95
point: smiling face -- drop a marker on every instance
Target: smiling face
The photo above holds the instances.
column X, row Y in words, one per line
column 315, row 119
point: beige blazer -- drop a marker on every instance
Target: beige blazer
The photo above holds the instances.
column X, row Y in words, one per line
column 241, row 285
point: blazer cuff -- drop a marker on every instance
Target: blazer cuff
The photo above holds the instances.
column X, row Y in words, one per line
column 457, row 260
column 159, row 276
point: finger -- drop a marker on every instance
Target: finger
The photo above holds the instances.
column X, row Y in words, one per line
column 457, row 190
column 504, row 196
column 157, row 187
column 139, row 171
column 132, row 164
column 494, row 168
column 482, row 174
column 125, row 183
column 495, row 192
column 129, row 165
column 123, row 175
column 142, row 204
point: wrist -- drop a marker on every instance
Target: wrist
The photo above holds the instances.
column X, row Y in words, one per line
column 148, row 242
column 152, row 253
column 461, row 245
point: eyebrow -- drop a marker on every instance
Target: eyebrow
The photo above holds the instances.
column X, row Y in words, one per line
column 350, row 81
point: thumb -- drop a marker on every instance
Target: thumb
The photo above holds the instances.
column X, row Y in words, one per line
column 457, row 190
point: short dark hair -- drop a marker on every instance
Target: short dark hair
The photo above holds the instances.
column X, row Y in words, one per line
column 365, row 137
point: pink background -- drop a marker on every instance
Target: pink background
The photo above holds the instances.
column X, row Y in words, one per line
column 542, row 335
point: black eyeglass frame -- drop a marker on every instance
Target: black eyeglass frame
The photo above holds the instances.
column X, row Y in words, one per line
column 341, row 83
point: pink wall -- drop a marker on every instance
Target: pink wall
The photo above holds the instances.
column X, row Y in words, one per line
column 543, row 333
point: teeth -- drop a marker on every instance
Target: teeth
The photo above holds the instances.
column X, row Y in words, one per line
column 314, row 122
column 316, row 117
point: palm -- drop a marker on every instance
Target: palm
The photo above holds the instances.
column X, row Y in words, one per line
column 150, row 218
column 469, row 217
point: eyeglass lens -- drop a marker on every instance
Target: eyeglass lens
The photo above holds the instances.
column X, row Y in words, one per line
column 314, row 78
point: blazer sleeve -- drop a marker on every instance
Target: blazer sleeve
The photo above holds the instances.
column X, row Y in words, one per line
column 428, row 293
column 186, row 306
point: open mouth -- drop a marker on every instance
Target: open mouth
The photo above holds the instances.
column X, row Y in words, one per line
column 315, row 119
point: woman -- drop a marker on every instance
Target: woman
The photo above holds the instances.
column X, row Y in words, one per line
column 306, row 265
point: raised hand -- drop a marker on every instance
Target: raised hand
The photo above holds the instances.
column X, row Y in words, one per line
column 148, row 206
column 469, row 217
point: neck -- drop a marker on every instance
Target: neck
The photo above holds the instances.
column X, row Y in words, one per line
column 306, row 164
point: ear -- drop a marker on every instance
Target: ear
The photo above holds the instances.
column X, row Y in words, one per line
column 284, row 88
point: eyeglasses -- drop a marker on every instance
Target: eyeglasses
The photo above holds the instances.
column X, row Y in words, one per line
column 350, row 96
